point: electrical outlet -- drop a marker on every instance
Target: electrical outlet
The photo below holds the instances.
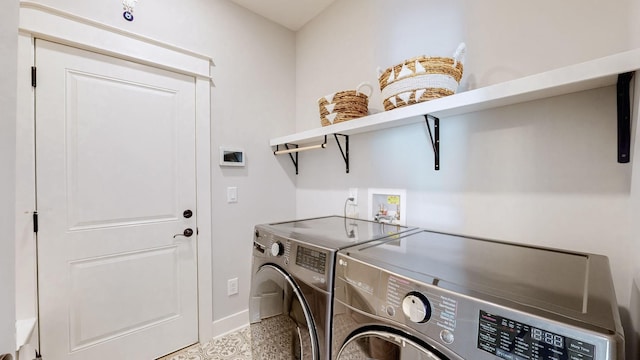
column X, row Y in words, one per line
column 353, row 193
column 232, row 286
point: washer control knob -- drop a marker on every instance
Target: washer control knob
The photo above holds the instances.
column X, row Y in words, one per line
column 277, row 248
column 416, row 307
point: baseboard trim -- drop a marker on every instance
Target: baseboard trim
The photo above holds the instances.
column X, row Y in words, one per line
column 230, row 323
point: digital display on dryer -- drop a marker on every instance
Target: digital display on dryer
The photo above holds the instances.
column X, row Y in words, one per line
column 310, row 259
column 513, row 340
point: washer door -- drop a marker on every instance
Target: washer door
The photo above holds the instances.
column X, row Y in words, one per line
column 281, row 323
column 384, row 345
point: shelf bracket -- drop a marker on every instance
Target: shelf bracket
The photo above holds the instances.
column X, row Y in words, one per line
column 624, row 117
column 294, row 160
column 435, row 140
column 345, row 152
column 295, row 148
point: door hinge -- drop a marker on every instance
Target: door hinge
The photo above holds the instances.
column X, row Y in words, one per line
column 35, row 222
column 33, row 76
column 38, row 356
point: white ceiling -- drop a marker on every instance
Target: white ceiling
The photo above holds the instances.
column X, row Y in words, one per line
column 292, row 14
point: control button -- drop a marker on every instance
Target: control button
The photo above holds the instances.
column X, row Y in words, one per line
column 391, row 311
column 580, row 347
column 416, row 307
column 578, row 356
column 277, row 249
column 446, row 336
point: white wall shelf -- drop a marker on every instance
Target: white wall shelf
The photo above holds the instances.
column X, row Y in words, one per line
column 570, row 79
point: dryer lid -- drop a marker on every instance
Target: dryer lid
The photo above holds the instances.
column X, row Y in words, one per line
column 571, row 284
column 334, row 232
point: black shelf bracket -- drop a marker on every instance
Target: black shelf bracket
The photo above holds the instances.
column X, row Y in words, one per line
column 291, row 149
column 287, row 147
column 345, row 152
column 624, row 117
column 434, row 136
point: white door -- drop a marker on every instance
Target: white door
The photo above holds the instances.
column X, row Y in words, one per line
column 115, row 155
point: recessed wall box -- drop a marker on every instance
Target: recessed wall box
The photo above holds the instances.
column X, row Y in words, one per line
column 231, row 156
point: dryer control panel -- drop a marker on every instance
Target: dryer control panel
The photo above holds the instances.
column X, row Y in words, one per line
column 311, row 259
column 510, row 339
column 408, row 301
column 311, row 264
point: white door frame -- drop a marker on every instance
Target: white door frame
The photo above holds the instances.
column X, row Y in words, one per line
column 43, row 22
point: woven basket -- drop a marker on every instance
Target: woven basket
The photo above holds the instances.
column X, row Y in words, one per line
column 421, row 79
column 344, row 105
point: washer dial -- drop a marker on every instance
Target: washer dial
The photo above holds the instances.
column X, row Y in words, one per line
column 277, row 248
column 416, row 307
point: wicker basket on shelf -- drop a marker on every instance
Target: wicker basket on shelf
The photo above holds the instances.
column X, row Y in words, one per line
column 421, row 79
column 344, row 105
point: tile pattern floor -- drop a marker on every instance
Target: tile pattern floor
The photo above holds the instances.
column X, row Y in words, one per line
column 273, row 337
column 234, row 346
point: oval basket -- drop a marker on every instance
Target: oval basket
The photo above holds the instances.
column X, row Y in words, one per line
column 344, row 105
column 421, row 79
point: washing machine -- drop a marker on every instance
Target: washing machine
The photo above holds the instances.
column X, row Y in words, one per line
column 436, row 296
column 292, row 281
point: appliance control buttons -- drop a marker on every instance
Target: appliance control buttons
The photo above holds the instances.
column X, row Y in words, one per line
column 277, row 248
column 446, row 336
column 391, row 311
column 416, row 307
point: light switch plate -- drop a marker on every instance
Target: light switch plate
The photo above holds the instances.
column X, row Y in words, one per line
column 232, row 194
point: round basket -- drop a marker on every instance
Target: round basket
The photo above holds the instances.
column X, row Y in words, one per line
column 344, row 105
column 421, row 79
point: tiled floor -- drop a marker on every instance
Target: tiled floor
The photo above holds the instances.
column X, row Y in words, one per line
column 234, row 346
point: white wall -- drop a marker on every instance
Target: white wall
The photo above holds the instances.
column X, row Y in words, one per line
column 8, row 49
column 541, row 173
column 253, row 100
column 505, row 40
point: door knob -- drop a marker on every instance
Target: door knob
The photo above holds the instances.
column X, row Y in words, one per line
column 186, row 233
column 187, row 213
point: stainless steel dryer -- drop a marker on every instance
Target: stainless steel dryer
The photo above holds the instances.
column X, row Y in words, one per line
column 292, row 281
column 435, row 296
